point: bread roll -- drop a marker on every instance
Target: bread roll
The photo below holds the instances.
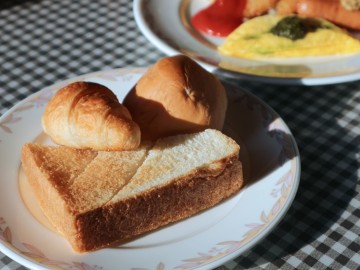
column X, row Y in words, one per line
column 89, row 115
column 176, row 95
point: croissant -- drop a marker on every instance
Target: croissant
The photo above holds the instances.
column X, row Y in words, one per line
column 89, row 115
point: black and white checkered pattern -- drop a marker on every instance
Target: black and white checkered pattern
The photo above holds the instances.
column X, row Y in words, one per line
column 45, row 41
column 322, row 228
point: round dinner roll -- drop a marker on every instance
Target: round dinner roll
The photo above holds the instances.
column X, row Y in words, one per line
column 174, row 96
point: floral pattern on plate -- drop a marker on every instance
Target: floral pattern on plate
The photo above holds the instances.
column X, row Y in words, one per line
column 34, row 253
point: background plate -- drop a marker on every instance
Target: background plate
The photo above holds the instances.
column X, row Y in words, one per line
column 272, row 172
column 166, row 24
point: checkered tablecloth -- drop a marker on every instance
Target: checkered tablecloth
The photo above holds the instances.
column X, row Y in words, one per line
column 46, row 41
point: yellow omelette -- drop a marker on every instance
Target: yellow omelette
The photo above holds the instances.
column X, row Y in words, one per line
column 254, row 39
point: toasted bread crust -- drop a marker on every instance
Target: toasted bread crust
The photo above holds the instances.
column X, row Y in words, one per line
column 158, row 207
column 55, row 172
column 49, row 190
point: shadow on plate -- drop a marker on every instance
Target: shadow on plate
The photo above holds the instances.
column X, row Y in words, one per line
column 264, row 139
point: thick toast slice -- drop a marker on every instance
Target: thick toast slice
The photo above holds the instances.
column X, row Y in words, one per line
column 97, row 198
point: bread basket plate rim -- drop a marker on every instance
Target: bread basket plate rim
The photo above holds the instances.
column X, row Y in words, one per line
column 167, row 25
column 204, row 241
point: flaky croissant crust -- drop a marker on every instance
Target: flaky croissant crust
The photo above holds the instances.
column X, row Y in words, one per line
column 89, row 115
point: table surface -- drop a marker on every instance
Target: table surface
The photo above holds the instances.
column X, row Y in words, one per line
column 44, row 41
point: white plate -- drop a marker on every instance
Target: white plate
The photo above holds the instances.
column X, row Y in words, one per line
column 167, row 25
column 272, row 169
